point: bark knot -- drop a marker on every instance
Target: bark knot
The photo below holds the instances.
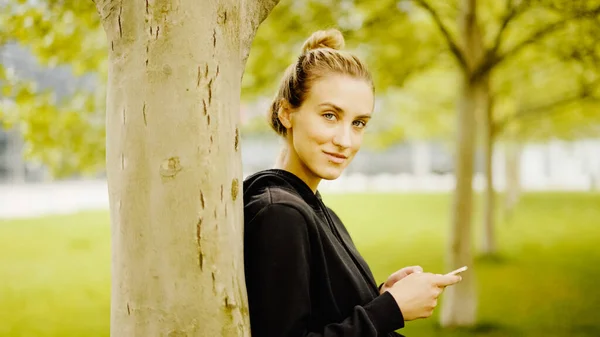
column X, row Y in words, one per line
column 167, row 70
column 199, row 243
column 222, row 17
column 236, row 140
column 235, row 186
column 170, row 167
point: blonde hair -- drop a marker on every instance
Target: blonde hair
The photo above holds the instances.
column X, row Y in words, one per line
column 321, row 55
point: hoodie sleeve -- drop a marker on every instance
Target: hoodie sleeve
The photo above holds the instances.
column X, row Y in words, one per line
column 277, row 268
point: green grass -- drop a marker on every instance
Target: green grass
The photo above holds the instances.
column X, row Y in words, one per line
column 55, row 271
column 55, row 276
column 544, row 282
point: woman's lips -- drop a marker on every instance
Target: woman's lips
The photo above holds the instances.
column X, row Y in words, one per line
column 335, row 157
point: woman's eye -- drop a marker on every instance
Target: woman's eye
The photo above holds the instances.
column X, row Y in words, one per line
column 329, row 116
column 360, row 124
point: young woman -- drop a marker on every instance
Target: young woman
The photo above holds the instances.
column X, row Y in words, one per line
column 304, row 276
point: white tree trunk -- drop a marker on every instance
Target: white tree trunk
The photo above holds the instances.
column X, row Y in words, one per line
column 459, row 305
column 488, row 242
column 174, row 166
column 14, row 157
column 421, row 157
column 513, row 176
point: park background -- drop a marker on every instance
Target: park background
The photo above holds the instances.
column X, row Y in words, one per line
column 538, row 138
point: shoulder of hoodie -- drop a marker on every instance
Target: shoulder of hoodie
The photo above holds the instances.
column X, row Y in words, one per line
column 274, row 190
column 274, row 195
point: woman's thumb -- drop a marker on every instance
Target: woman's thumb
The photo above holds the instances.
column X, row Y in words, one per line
column 447, row 280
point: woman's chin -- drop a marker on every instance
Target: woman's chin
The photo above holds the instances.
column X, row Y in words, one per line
column 330, row 172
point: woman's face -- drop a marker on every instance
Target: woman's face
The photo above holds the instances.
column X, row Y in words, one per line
column 327, row 129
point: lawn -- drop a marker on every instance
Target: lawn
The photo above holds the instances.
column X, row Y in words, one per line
column 55, row 271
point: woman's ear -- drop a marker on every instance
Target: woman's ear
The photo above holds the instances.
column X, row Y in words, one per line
column 285, row 114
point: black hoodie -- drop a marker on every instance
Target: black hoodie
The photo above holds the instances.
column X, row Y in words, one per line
column 304, row 275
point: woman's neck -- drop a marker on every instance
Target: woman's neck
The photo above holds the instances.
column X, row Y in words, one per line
column 288, row 160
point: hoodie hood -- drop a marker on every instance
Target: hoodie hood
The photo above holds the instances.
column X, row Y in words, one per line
column 258, row 181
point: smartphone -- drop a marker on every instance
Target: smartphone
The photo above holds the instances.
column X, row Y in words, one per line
column 457, row 271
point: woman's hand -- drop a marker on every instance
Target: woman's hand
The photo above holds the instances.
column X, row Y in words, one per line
column 416, row 294
column 397, row 276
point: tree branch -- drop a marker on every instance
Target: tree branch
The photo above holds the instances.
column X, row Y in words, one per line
column 500, row 125
column 491, row 62
column 586, row 92
column 512, row 13
column 454, row 48
column 253, row 13
column 417, row 70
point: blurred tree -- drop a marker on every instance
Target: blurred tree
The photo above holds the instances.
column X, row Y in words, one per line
column 77, row 40
column 174, row 166
column 419, row 76
column 488, row 34
column 555, row 95
column 422, row 109
column 551, row 90
column 66, row 134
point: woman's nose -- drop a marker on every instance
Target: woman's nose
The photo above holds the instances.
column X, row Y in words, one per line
column 342, row 137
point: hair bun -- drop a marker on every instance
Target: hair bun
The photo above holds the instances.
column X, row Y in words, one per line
column 330, row 38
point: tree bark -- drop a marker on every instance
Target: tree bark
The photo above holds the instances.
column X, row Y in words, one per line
column 174, row 166
column 488, row 243
column 459, row 304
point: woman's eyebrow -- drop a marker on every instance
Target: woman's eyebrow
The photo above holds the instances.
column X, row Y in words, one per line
column 335, row 107
column 341, row 111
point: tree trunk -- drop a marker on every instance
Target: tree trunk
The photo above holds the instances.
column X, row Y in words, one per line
column 513, row 179
column 459, row 304
column 488, row 245
column 14, row 157
column 174, row 166
column 421, row 157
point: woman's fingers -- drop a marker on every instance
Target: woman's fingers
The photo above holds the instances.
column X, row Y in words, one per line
column 446, row 280
column 409, row 270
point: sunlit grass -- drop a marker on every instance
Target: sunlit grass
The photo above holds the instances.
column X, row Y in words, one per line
column 55, row 276
column 543, row 282
column 55, row 271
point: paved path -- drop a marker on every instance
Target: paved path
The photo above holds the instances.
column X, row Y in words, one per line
column 30, row 200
